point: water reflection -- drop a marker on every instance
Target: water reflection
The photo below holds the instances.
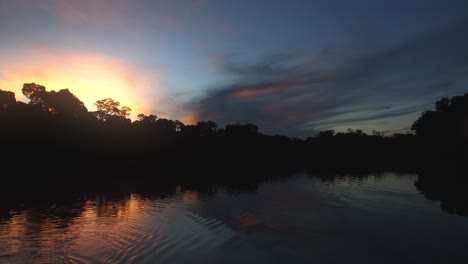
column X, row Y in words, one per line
column 448, row 187
column 324, row 218
column 445, row 185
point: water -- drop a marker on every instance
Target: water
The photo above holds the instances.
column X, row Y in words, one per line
column 373, row 218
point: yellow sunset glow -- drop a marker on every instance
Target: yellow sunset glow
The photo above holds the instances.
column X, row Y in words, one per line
column 90, row 77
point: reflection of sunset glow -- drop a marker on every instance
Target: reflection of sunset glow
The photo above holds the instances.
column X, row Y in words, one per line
column 190, row 197
column 124, row 220
column 90, row 77
column 245, row 221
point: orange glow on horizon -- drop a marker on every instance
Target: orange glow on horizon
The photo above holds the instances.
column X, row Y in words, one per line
column 89, row 76
column 189, row 119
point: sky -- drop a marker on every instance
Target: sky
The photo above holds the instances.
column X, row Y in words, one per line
column 291, row 67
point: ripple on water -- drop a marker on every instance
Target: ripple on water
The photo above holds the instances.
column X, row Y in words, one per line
column 141, row 230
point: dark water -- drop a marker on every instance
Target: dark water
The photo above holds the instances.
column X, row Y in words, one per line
column 376, row 218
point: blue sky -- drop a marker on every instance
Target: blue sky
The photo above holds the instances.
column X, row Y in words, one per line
column 291, row 67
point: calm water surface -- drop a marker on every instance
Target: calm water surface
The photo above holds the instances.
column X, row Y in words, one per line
column 376, row 218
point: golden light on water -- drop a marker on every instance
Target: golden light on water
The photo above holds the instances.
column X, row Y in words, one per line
column 190, row 197
column 90, row 77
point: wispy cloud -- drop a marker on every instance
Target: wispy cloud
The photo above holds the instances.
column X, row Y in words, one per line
column 287, row 94
column 115, row 15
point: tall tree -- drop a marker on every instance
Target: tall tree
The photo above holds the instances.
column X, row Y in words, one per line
column 108, row 109
column 62, row 103
column 34, row 92
column 444, row 129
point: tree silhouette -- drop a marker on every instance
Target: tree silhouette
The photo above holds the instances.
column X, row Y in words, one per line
column 109, row 113
column 125, row 111
column 55, row 125
column 33, row 91
column 447, row 119
column 62, row 103
column 241, row 130
column 444, row 129
column 202, row 129
column 158, row 125
column 326, row 134
column 146, row 120
column 6, row 99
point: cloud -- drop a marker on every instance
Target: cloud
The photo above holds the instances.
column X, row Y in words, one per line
column 4, row 9
column 90, row 76
column 112, row 15
column 362, row 116
column 292, row 95
column 107, row 14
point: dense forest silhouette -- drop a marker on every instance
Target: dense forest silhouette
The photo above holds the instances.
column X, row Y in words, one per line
column 55, row 135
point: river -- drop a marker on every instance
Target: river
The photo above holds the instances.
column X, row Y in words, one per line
column 306, row 218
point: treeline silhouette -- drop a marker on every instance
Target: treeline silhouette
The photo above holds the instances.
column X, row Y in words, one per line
column 54, row 135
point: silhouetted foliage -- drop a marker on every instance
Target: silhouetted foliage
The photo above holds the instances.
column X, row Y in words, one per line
column 55, row 131
column 110, row 114
column 7, row 99
column 444, row 131
column 33, row 91
column 201, row 129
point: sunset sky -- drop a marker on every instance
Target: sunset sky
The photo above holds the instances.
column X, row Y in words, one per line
column 291, row 67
